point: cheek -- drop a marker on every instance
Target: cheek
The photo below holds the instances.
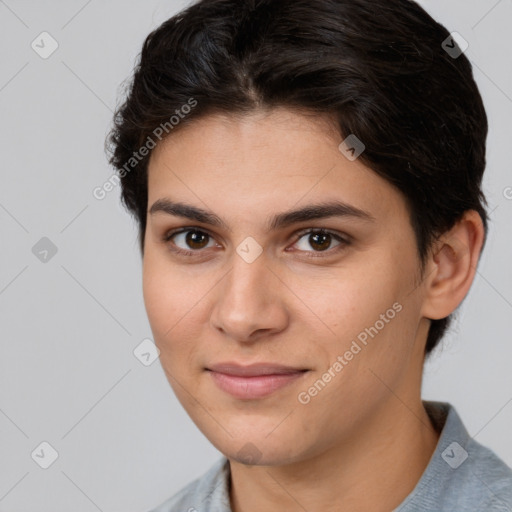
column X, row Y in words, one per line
column 174, row 302
column 349, row 301
column 158, row 297
column 163, row 292
column 369, row 307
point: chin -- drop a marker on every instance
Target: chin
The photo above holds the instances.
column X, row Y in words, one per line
column 258, row 449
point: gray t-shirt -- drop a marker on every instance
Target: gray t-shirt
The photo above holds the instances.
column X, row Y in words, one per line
column 462, row 475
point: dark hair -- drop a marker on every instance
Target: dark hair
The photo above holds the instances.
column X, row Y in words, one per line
column 378, row 67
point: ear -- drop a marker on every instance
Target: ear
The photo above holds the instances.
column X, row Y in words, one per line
column 451, row 266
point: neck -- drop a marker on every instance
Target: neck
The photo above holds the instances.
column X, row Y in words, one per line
column 374, row 469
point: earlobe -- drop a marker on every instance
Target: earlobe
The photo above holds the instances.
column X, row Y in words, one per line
column 452, row 266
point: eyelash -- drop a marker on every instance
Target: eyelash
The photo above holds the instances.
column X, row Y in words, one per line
column 344, row 241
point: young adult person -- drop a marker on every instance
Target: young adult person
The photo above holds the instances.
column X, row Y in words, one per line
column 306, row 176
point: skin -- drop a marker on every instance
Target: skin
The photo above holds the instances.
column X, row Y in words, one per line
column 363, row 442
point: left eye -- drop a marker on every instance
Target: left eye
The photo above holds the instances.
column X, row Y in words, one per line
column 320, row 239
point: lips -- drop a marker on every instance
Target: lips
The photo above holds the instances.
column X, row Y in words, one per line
column 253, row 381
column 253, row 369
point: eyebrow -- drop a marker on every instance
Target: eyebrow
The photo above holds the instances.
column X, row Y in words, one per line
column 278, row 221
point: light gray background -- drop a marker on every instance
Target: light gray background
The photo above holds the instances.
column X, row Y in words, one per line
column 69, row 326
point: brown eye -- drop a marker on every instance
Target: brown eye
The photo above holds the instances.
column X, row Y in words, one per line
column 320, row 240
column 196, row 239
column 189, row 239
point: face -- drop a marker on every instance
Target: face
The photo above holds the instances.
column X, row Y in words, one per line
column 326, row 305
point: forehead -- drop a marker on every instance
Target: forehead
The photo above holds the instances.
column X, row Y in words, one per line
column 266, row 160
column 282, row 132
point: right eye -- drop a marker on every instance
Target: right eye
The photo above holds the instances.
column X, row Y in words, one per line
column 190, row 238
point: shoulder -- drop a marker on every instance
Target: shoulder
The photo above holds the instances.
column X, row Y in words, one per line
column 462, row 474
column 209, row 492
column 487, row 479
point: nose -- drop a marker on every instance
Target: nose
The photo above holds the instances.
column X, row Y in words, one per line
column 251, row 301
